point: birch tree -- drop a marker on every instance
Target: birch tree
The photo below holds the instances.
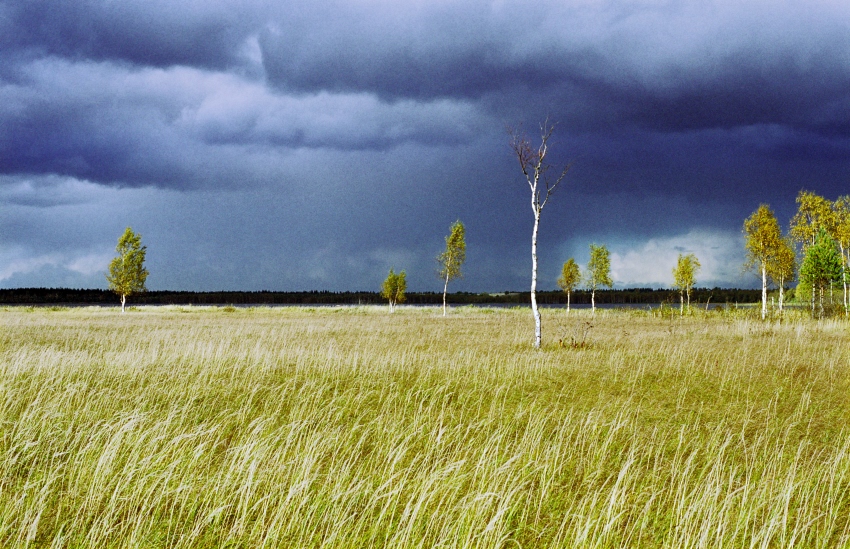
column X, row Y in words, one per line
column 782, row 266
column 763, row 241
column 598, row 271
column 542, row 182
column 569, row 279
column 813, row 213
column 821, row 266
column 685, row 277
column 127, row 273
column 452, row 258
column 841, row 207
column 394, row 287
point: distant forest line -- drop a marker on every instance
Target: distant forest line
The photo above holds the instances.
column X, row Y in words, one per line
column 52, row 296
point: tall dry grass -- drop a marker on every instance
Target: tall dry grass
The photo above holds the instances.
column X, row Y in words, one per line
column 350, row 427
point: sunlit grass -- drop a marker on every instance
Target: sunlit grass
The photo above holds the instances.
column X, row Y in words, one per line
column 351, row 427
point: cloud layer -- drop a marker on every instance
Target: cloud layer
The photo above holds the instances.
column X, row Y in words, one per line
column 651, row 263
column 315, row 145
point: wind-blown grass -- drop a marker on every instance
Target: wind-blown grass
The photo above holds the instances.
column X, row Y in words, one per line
column 350, row 427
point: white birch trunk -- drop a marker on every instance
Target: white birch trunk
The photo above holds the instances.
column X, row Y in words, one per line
column 843, row 276
column 445, row 289
column 534, row 310
column 814, row 300
column 593, row 300
column 568, row 301
column 681, row 302
column 763, row 290
column 534, row 168
column 123, row 301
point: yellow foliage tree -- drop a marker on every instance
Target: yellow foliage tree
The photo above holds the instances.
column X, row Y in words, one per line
column 685, row 277
column 763, row 243
column 569, row 279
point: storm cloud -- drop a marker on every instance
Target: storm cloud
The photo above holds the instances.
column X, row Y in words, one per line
column 257, row 145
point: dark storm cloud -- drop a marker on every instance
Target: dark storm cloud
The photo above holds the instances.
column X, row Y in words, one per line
column 185, row 128
column 748, row 94
column 134, row 93
column 155, row 33
column 671, row 67
column 318, row 144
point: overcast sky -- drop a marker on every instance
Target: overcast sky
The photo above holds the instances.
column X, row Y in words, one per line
column 313, row 145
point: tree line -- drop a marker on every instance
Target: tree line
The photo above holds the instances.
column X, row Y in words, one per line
column 626, row 297
column 815, row 251
column 598, row 275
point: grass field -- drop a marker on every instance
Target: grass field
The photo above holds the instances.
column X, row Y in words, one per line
column 350, row 427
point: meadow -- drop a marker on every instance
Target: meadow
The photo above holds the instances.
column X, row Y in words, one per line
column 351, row 427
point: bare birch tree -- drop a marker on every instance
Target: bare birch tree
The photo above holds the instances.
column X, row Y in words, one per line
column 542, row 182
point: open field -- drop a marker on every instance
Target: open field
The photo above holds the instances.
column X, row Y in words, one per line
column 350, row 427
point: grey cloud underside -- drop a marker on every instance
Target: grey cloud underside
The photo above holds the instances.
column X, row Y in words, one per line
column 157, row 33
column 666, row 68
column 591, row 71
column 586, row 91
column 346, row 136
column 120, row 151
column 184, row 128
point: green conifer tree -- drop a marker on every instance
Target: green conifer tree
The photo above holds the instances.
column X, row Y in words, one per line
column 821, row 267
